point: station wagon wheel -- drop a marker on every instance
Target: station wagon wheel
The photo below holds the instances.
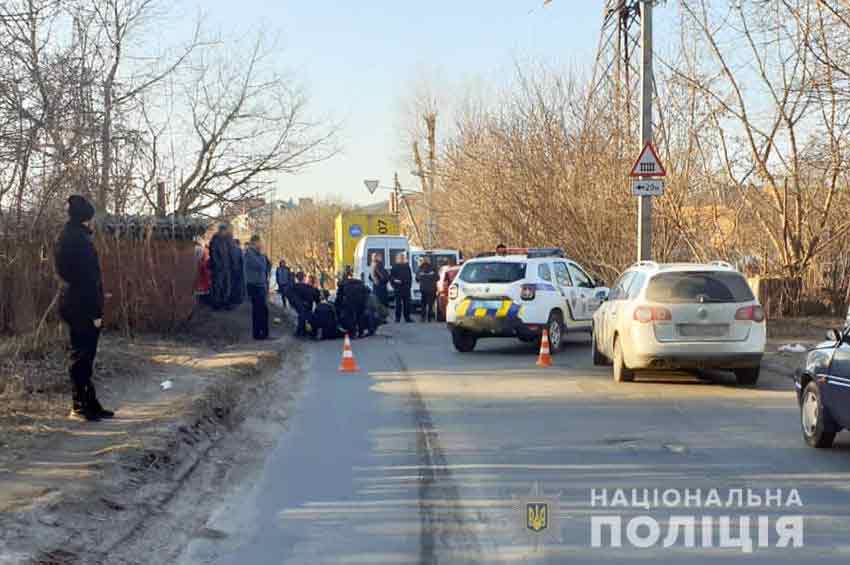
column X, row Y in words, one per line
column 599, row 359
column 747, row 377
column 814, row 419
column 622, row 374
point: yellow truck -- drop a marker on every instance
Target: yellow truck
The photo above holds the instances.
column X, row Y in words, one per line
column 351, row 227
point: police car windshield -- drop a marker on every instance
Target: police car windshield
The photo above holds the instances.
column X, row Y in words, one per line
column 492, row 272
column 692, row 286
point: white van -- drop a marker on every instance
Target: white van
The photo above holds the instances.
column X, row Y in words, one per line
column 438, row 258
column 387, row 247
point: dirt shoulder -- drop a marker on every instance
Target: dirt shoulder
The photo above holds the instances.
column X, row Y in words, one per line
column 71, row 492
column 794, row 331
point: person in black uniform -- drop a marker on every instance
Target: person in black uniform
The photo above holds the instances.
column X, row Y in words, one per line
column 401, row 277
column 304, row 298
column 427, row 279
column 352, row 298
column 325, row 325
column 237, row 273
column 81, row 305
column 221, row 267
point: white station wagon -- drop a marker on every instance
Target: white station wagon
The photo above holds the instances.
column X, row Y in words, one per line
column 680, row 316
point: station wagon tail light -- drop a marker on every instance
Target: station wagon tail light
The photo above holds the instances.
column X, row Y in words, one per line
column 528, row 292
column 750, row 313
column 646, row 314
column 453, row 292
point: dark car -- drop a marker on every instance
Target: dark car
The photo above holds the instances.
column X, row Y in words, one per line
column 823, row 389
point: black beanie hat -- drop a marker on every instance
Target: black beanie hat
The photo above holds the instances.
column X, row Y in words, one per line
column 79, row 209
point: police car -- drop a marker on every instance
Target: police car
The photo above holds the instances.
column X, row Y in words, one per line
column 520, row 294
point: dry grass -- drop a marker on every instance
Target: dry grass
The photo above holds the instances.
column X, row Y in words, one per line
column 810, row 327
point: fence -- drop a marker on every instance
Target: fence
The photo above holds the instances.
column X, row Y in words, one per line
column 148, row 269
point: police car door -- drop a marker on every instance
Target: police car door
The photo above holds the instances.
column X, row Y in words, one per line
column 565, row 285
column 585, row 290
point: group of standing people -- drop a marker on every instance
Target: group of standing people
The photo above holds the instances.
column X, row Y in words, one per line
column 221, row 271
column 227, row 273
column 400, row 277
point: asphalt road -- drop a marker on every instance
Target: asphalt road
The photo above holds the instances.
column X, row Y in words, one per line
column 428, row 456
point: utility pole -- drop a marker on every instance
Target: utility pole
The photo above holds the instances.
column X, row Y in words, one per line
column 644, row 218
column 398, row 190
column 431, row 125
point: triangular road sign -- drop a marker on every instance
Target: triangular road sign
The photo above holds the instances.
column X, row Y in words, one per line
column 648, row 164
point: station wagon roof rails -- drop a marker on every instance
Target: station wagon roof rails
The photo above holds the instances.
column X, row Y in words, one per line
column 546, row 252
column 723, row 264
column 652, row 264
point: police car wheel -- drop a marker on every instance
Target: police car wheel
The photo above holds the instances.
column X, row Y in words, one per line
column 463, row 341
column 622, row 374
column 814, row 419
column 555, row 326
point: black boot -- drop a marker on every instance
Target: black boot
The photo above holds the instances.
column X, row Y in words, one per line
column 93, row 406
column 78, row 407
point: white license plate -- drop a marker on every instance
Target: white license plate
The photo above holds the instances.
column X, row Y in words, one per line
column 703, row 330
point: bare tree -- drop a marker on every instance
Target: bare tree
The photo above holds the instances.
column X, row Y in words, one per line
column 784, row 154
column 250, row 125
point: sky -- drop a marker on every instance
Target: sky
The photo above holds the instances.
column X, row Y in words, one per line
column 359, row 58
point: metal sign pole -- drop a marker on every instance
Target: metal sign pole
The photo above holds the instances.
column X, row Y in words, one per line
column 644, row 236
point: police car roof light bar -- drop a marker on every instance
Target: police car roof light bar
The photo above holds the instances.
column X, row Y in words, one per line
column 546, row 252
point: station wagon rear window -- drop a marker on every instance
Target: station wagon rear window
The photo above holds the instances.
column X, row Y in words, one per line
column 492, row 272
column 698, row 286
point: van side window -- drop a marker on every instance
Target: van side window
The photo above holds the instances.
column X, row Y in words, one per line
column 394, row 253
column 544, row 272
column 376, row 252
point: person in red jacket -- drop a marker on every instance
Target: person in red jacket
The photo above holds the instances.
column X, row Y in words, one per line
column 203, row 281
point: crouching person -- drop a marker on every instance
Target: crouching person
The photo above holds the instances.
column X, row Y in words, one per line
column 304, row 297
column 325, row 323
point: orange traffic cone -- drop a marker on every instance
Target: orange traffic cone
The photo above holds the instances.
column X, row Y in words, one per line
column 348, row 365
column 544, row 359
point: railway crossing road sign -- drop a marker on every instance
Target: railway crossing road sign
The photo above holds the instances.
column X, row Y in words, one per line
column 648, row 164
column 647, row 187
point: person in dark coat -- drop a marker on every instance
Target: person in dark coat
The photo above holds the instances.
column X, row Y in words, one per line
column 304, row 297
column 283, row 278
column 237, row 274
column 324, row 322
column 351, row 300
column 258, row 270
column 81, row 306
column 222, row 273
column 427, row 279
column 401, row 277
column 379, row 277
